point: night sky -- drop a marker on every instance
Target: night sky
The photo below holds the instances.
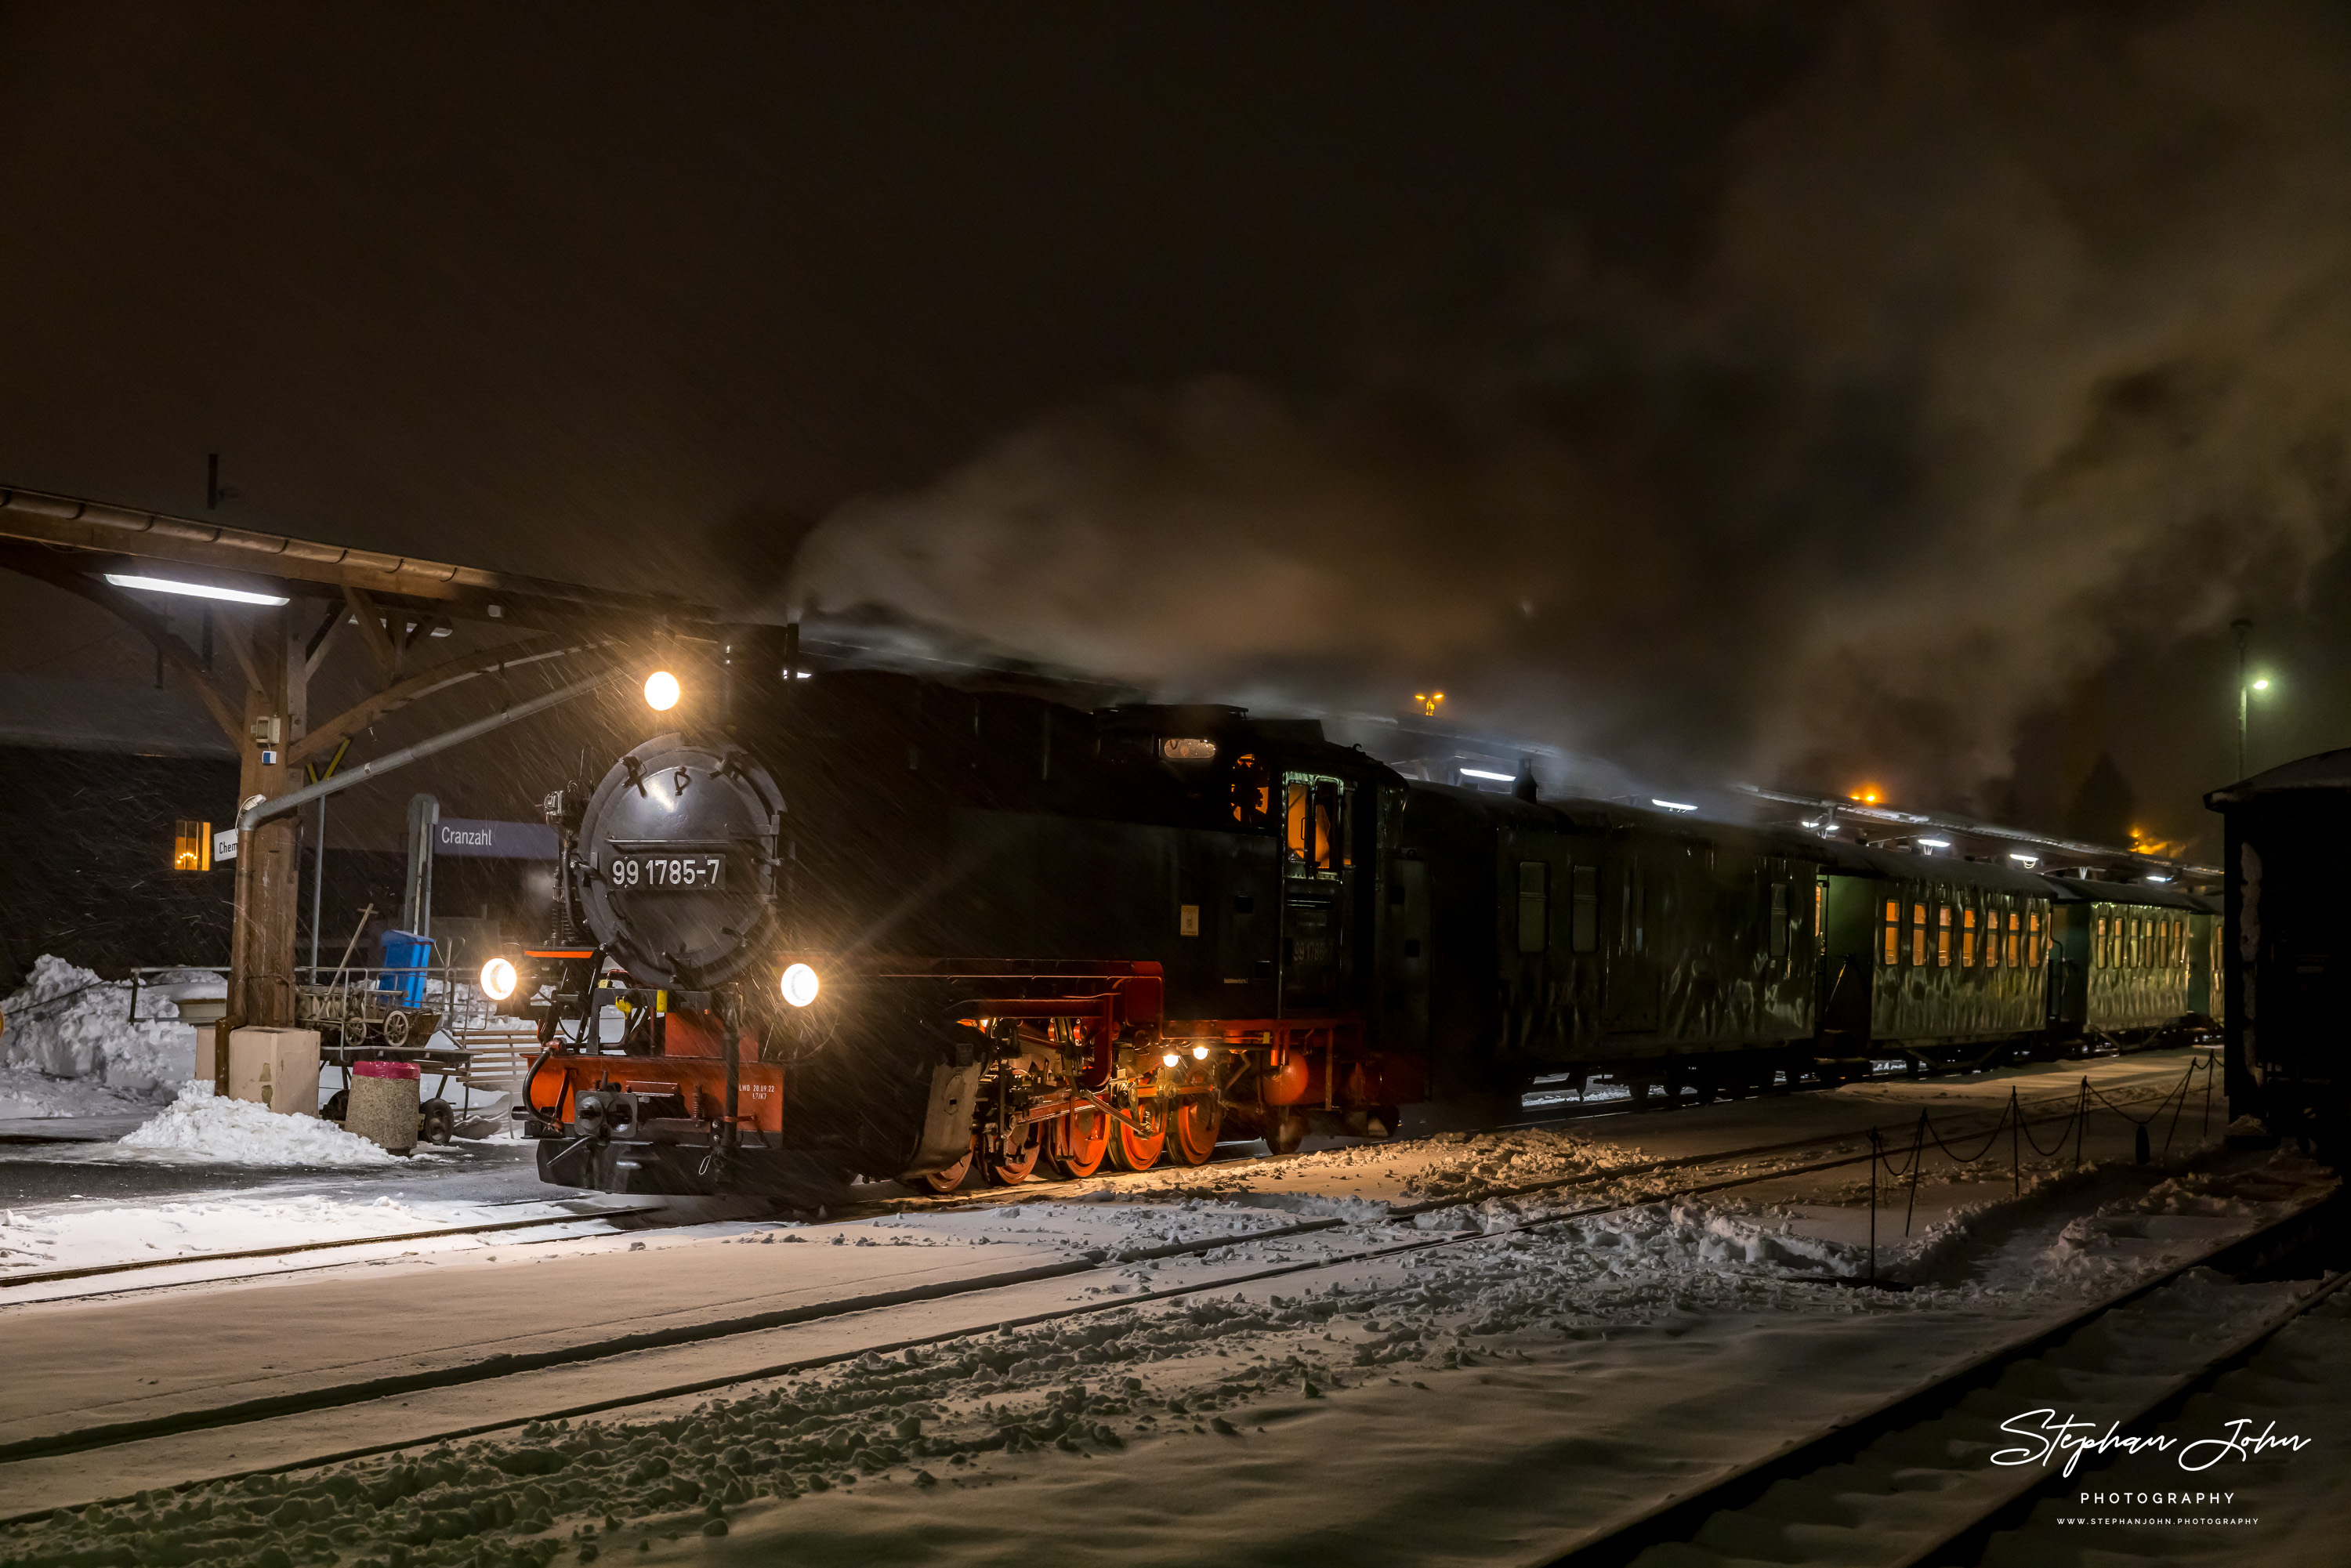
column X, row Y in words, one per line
column 1801, row 392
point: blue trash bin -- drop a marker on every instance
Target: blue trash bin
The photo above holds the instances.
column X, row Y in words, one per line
column 404, row 951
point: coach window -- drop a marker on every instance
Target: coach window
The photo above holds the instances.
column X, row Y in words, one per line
column 2013, row 921
column 1778, row 936
column 1583, row 909
column 1942, row 935
column 1967, row 938
column 1991, row 939
column 1893, row 932
column 2032, row 940
column 1917, row 936
column 1534, row 905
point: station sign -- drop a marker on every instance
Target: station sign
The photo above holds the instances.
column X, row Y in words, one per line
column 498, row 840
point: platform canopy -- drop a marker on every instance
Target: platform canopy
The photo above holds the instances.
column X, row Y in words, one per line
column 279, row 604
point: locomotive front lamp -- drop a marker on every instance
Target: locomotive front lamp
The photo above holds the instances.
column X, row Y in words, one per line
column 799, row 985
column 1171, row 1059
column 2262, row 685
column 1199, row 1053
column 498, row 979
column 660, row 691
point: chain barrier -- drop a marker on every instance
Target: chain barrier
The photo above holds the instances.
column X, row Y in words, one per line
column 2015, row 1120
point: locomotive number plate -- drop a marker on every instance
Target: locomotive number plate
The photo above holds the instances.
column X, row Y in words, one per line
column 665, row 873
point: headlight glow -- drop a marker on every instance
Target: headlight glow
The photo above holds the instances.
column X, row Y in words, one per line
column 1199, row 1053
column 498, row 979
column 799, row 985
column 660, row 691
column 1171, row 1059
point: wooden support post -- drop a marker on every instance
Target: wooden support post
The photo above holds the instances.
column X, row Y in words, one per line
column 268, row 859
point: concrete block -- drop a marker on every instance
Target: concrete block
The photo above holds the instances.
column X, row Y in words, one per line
column 274, row 1067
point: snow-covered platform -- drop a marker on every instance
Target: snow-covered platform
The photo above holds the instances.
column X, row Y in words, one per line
column 1470, row 1346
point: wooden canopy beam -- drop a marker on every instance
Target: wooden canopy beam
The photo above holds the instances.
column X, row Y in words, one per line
column 424, row 683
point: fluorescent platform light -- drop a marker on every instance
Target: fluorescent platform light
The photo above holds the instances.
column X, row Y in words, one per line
column 1934, row 843
column 1497, row 778
column 2023, row 859
column 193, row 590
column 1671, row 805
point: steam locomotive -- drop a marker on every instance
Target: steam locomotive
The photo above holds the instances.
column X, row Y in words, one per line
column 861, row 922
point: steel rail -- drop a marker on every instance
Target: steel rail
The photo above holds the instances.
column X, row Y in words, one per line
column 10, row 1281
column 1968, row 1537
column 1679, row 1517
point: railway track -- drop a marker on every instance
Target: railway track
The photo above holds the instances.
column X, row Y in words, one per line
column 1029, row 1191
column 2122, row 1361
column 294, row 1248
column 633, row 1360
column 89, row 1444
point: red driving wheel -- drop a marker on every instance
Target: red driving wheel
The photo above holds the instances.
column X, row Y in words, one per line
column 1133, row 1150
column 1078, row 1143
column 1193, row 1138
column 942, row 1181
column 1012, row 1169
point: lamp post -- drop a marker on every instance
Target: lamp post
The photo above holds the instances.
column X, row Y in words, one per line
column 2243, row 629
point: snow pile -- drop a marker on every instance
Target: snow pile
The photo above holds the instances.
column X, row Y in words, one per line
column 67, row 1022
column 201, row 1125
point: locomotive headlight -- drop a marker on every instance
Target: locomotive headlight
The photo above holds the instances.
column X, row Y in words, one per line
column 1171, row 1059
column 799, row 985
column 498, row 979
column 1199, row 1053
column 660, row 691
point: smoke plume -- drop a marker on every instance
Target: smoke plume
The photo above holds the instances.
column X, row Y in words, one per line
column 2022, row 331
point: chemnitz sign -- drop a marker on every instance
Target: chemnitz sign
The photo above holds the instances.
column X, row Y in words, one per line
column 501, row 840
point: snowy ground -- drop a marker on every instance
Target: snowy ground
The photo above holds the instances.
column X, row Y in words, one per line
column 1479, row 1383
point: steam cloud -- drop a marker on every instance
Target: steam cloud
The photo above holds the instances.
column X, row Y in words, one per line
column 2024, row 330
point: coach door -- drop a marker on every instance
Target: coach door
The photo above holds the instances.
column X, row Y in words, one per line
column 1317, row 904
column 1629, row 997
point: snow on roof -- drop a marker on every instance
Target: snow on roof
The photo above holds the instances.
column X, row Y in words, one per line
column 2325, row 770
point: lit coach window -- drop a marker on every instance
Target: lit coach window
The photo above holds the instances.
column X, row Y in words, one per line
column 498, row 979
column 660, row 691
column 799, row 984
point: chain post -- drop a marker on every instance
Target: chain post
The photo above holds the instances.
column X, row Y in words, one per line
column 1877, row 1152
column 1917, row 1164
